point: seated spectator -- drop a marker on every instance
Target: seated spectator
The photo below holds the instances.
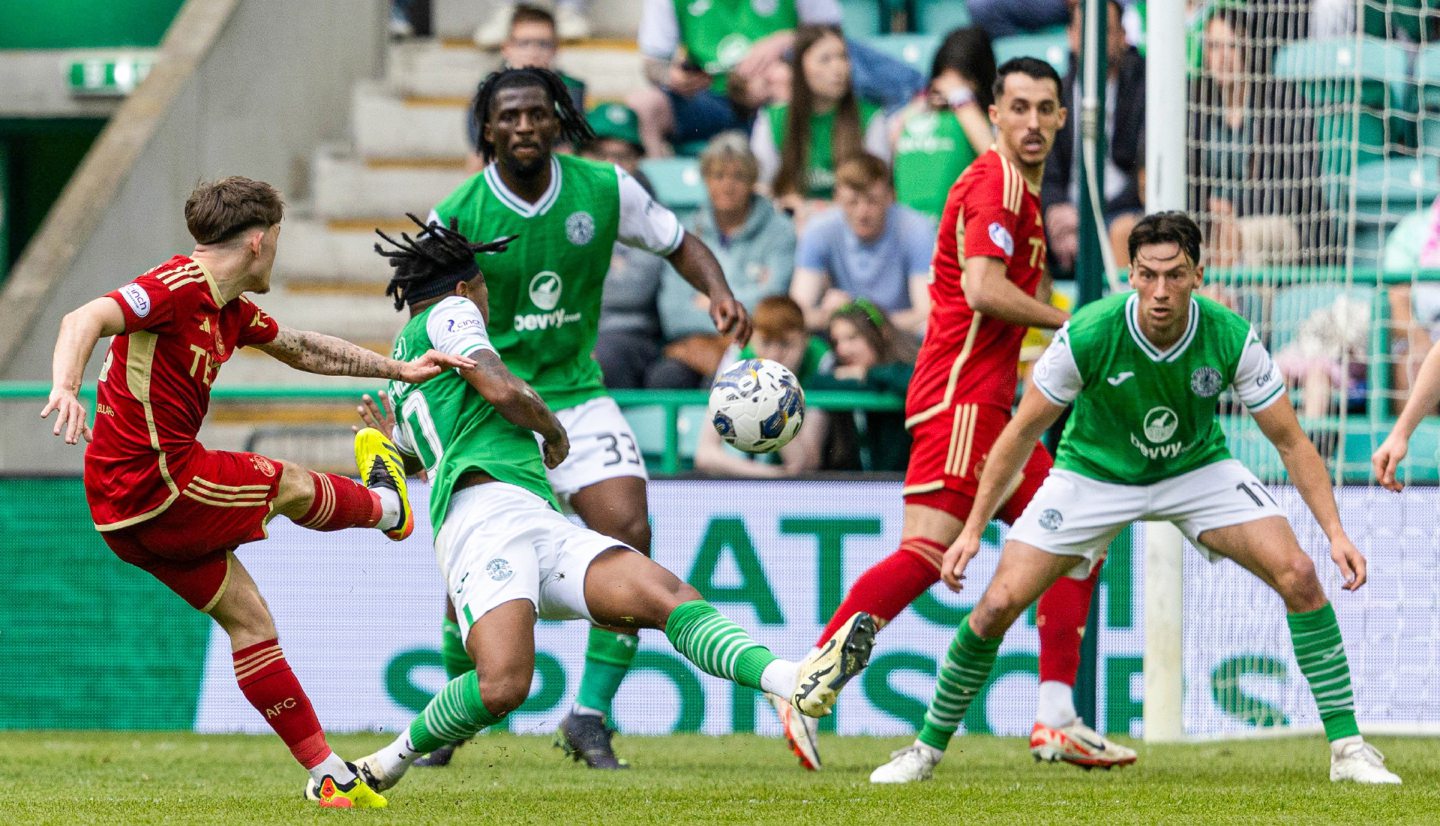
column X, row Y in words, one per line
column 799, row 143
column 780, row 335
column 629, row 339
column 871, row 355
column 1413, row 245
column 1124, row 137
column 692, row 51
column 1330, row 350
column 939, row 134
column 1003, row 18
column 867, row 247
column 532, row 43
column 571, row 23
column 755, row 244
column 1252, row 163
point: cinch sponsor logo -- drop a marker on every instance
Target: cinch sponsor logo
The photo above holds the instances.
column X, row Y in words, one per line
column 544, row 321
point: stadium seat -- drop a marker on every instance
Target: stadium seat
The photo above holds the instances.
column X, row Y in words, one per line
column 940, row 17
column 914, row 50
column 1049, row 45
column 1427, row 77
column 1294, row 303
column 1392, row 187
column 676, row 182
column 863, row 18
column 1327, row 72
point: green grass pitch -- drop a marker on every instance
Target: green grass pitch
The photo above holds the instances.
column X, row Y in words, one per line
column 126, row 777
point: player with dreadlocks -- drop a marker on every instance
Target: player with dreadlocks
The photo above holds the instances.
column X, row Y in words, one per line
column 504, row 548
column 545, row 293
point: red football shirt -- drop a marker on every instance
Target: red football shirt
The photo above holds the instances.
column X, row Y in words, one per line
column 155, row 387
column 967, row 358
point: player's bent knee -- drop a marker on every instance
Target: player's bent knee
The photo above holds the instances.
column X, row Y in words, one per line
column 504, row 693
column 1298, row 584
column 994, row 614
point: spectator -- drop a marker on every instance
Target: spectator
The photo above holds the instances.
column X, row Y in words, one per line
column 800, row 143
column 780, row 335
column 756, row 247
column 571, row 23
column 532, row 43
column 629, row 339
column 1252, row 158
column 1413, row 245
column 1124, row 136
column 1003, row 18
column 938, row 135
column 871, row 355
column 870, row 247
column 693, row 51
column 1330, row 350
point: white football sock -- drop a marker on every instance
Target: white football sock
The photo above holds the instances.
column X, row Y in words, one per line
column 593, row 712
column 389, row 508
column 397, row 757
column 1337, row 747
column 779, row 677
column 334, row 767
column 1057, row 704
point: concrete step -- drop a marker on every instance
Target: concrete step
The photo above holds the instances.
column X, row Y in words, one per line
column 346, row 186
column 316, row 254
column 458, row 18
column 440, row 71
column 368, row 319
column 387, row 126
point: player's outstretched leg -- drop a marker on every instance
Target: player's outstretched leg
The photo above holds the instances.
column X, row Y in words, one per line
column 1059, row 734
column 271, row 687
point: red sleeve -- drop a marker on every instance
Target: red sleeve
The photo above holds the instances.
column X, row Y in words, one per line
column 145, row 302
column 256, row 326
column 990, row 211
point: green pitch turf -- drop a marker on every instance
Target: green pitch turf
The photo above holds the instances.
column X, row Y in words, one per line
column 111, row 778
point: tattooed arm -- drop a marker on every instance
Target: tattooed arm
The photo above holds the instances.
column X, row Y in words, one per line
column 331, row 356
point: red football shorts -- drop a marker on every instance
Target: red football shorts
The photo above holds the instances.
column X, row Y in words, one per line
column 947, row 455
column 224, row 502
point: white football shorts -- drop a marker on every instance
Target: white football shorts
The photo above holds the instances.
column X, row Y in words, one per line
column 501, row 542
column 1074, row 515
column 602, row 446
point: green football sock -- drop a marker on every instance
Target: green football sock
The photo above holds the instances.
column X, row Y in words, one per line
column 456, row 713
column 966, row 667
column 608, row 655
column 452, row 650
column 715, row 644
column 1321, row 653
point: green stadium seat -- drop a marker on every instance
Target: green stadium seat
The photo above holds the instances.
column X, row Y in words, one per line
column 863, row 18
column 914, row 50
column 1050, row 45
column 1327, row 72
column 1427, row 78
column 1394, row 18
column 1294, row 303
column 649, row 423
column 941, row 16
column 1392, row 187
column 676, row 182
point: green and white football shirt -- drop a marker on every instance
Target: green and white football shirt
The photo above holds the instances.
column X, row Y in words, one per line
column 1142, row 414
column 545, row 289
column 447, row 423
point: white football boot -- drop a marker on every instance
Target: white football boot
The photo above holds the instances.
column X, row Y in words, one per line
column 801, row 732
column 1079, row 745
column 911, row 764
column 1359, row 762
column 822, row 674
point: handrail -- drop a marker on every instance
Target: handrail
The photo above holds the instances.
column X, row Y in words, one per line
column 671, row 401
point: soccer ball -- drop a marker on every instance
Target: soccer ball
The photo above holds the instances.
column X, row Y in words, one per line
column 757, row 405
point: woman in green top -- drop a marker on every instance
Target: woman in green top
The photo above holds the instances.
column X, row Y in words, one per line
column 870, row 354
column 798, row 144
column 940, row 133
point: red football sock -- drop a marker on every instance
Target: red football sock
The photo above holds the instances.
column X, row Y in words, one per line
column 891, row 584
column 340, row 503
column 268, row 683
column 1060, row 618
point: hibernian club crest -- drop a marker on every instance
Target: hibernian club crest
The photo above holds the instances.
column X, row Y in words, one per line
column 1205, row 381
column 580, row 228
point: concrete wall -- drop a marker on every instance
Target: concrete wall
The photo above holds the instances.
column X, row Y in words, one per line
column 247, row 87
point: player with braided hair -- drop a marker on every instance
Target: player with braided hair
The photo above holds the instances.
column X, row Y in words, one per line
column 505, row 550
column 545, row 299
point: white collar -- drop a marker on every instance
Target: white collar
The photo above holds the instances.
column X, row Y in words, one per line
column 518, row 204
column 1155, row 354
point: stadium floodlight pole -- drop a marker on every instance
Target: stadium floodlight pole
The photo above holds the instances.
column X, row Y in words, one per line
column 1165, row 188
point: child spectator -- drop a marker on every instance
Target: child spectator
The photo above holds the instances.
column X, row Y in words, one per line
column 869, row 247
column 780, row 335
column 755, row 244
column 870, row 354
column 800, row 143
column 570, row 23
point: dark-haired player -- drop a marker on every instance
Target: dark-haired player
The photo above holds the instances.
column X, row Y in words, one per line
column 169, row 506
column 507, row 553
column 1143, row 369
column 545, row 309
column 989, row 261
